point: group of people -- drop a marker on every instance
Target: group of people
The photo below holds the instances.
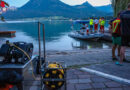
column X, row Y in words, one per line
column 95, row 22
column 93, row 25
column 120, row 30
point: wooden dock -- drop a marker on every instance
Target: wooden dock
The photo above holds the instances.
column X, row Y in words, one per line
column 7, row 33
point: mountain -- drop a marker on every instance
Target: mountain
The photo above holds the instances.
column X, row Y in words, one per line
column 106, row 8
column 88, row 9
column 46, row 8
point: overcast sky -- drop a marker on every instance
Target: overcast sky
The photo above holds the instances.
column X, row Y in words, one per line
column 19, row 3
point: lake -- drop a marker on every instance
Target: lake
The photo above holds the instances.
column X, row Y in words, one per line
column 56, row 34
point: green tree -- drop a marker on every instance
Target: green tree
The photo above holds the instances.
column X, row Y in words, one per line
column 119, row 5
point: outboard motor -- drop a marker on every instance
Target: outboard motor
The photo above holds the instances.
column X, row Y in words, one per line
column 16, row 52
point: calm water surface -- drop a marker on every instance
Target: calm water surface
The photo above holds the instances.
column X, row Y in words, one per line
column 56, row 35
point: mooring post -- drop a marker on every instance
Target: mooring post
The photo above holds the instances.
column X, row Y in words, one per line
column 39, row 41
column 44, row 43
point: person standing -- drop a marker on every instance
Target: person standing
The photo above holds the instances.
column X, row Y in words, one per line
column 102, row 24
column 116, row 36
column 91, row 24
column 125, row 33
column 96, row 25
column 87, row 30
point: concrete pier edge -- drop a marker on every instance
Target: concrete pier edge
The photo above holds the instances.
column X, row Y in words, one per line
column 108, row 76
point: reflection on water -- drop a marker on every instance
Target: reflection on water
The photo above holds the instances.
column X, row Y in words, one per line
column 89, row 45
column 56, row 35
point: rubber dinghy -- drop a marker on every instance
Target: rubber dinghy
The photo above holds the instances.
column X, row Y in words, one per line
column 78, row 35
column 84, row 32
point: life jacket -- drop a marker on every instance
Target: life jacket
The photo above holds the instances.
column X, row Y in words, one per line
column 2, row 4
column 91, row 22
column 116, row 26
column 102, row 22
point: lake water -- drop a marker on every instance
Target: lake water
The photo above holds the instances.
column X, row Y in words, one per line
column 56, row 34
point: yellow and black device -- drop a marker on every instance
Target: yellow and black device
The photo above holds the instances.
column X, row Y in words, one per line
column 54, row 76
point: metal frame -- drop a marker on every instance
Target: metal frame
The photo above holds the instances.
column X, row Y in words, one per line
column 43, row 67
column 39, row 41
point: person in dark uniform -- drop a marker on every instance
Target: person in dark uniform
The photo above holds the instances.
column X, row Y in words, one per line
column 125, row 33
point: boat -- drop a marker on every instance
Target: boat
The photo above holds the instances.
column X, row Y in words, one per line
column 7, row 33
column 83, row 34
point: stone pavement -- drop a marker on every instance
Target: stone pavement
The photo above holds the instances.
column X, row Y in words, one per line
column 79, row 80
column 112, row 69
column 98, row 59
column 82, row 57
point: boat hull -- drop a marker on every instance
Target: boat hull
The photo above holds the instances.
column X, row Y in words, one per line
column 86, row 37
column 7, row 33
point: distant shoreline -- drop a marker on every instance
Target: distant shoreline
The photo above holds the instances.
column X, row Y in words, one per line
column 27, row 21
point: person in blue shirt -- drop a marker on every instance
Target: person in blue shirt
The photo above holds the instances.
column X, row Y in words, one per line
column 125, row 33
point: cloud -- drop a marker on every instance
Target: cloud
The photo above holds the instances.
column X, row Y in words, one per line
column 99, row 2
column 73, row 2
